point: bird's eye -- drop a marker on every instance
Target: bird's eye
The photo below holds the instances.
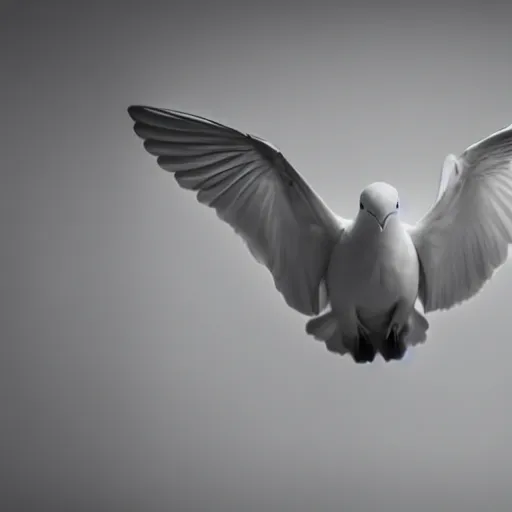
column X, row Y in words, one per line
column 397, row 205
column 361, row 206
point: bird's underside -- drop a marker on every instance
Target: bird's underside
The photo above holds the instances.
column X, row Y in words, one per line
column 390, row 343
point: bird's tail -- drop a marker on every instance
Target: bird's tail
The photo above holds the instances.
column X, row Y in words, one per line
column 325, row 328
column 419, row 328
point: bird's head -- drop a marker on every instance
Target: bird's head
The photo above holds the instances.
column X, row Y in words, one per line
column 379, row 203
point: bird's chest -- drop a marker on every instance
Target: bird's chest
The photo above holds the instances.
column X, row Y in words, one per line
column 380, row 265
column 376, row 272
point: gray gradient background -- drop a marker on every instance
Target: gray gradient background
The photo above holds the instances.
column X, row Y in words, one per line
column 147, row 361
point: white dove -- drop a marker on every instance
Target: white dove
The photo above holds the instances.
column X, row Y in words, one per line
column 372, row 270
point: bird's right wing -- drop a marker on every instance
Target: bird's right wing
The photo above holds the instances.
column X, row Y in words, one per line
column 464, row 237
column 252, row 187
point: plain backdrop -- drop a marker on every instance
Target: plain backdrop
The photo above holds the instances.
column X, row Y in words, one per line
column 147, row 362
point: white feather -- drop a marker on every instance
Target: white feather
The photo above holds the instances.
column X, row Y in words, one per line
column 464, row 237
column 252, row 187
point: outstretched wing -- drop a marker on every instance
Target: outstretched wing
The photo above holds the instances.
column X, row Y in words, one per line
column 464, row 237
column 252, row 187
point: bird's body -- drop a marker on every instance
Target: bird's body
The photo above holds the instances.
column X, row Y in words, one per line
column 383, row 273
column 383, row 270
column 372, row 281
column 361, row 279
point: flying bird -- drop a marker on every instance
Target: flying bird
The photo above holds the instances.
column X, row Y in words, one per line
column 367, row 282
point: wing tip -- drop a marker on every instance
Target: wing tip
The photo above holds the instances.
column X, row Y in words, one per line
column 135, row 111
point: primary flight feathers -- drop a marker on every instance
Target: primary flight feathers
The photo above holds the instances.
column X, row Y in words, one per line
column 286, row 226
column 465, row 235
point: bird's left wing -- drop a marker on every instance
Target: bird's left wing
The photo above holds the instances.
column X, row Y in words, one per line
column 252, row 187
column 464, row 237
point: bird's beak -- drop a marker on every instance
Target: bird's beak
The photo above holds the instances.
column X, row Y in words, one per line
column 382, row 221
